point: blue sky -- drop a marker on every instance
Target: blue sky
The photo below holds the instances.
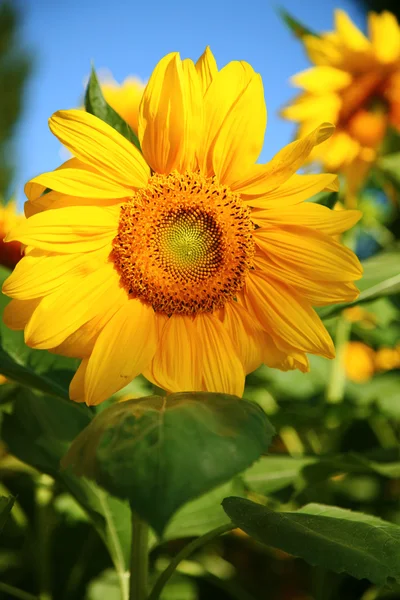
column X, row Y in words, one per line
column 128, row 37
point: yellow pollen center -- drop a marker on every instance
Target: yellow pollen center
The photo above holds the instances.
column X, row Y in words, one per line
column 184, row 244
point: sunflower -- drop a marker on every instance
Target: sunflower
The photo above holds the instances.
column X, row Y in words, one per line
column 355, row 84
column 359, row 362
column 10, row 253
column 125, row 98
column 185, row 261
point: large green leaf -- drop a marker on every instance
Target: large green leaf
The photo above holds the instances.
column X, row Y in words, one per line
column 381, row 277
column 96, row 104
column 38, row 431
column 159, row 452
column 334, row 538
column 37, row 369
column 6, row 504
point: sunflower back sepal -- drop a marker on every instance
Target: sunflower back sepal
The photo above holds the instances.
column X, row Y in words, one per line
column 297, row 28
column 160, row 452
column 96, row 105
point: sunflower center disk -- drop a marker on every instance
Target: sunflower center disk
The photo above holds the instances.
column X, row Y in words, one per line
column 184, row 244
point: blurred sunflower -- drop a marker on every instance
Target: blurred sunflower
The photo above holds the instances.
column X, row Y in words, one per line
column 355, row 84
column 359, row 361
column 10, row 253
column 125, row 98
column 187, row 261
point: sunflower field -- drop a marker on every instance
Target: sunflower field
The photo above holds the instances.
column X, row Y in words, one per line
column 200, row 348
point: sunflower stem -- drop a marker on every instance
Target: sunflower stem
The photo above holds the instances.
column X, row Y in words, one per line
column 139, row 558
column 184, row 553
column 337, row 380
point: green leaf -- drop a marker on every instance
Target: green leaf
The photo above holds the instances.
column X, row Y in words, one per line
column 327, row 199
column 297, row 28
column 320, row 469
column 273, row 473
column 6, row 504
column 203, row 514
column 159, row 453
column 106, row 585
column 390, row 166
column 330, row 537
column 38, row 431
column 381, row 277
column 95, row 104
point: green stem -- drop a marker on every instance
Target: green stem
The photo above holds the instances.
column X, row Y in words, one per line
column 184, row 553
column 16, row 592
column 337, row 380
column 44, row 526
column 139, row 558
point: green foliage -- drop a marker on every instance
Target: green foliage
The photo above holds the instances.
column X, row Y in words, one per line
column 343, row 541
column 161, row 452
column 15, row 66
column 205, row 513
column 95, row 104
column 6, row 505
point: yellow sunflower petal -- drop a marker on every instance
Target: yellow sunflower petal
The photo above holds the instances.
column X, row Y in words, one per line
column 312, row 252
column 70, row 229
column 294, row 191
column 62, row 312
column 322, row 79
column 221, row 367
column 318, row 291
column 81, row 342
column 240, row 138
column 314, row 109
column 322, row 50
column 53, row 200
column 94, row 142
column 262, row 178
column 123, row 349
column 34, row 190
column 341, row 150
column 18, row 312
column 385, row 36
column 320, row 218
column 248, row 338
column 206, row 68
column 284, row 360
column 223, row 92
column 79, row 182
column 170, row 118
column 283, row 313
column 77, row 385
column 175, row 366
column 35, row 276
column 351, row 36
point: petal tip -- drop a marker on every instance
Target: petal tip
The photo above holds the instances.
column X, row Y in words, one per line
column 324, row 131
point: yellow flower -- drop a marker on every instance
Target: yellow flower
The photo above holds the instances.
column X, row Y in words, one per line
column 125, row 98
column 10, row 253
column 186, row 262
column 387, row 359
column 359, row 362
column 355, row 84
